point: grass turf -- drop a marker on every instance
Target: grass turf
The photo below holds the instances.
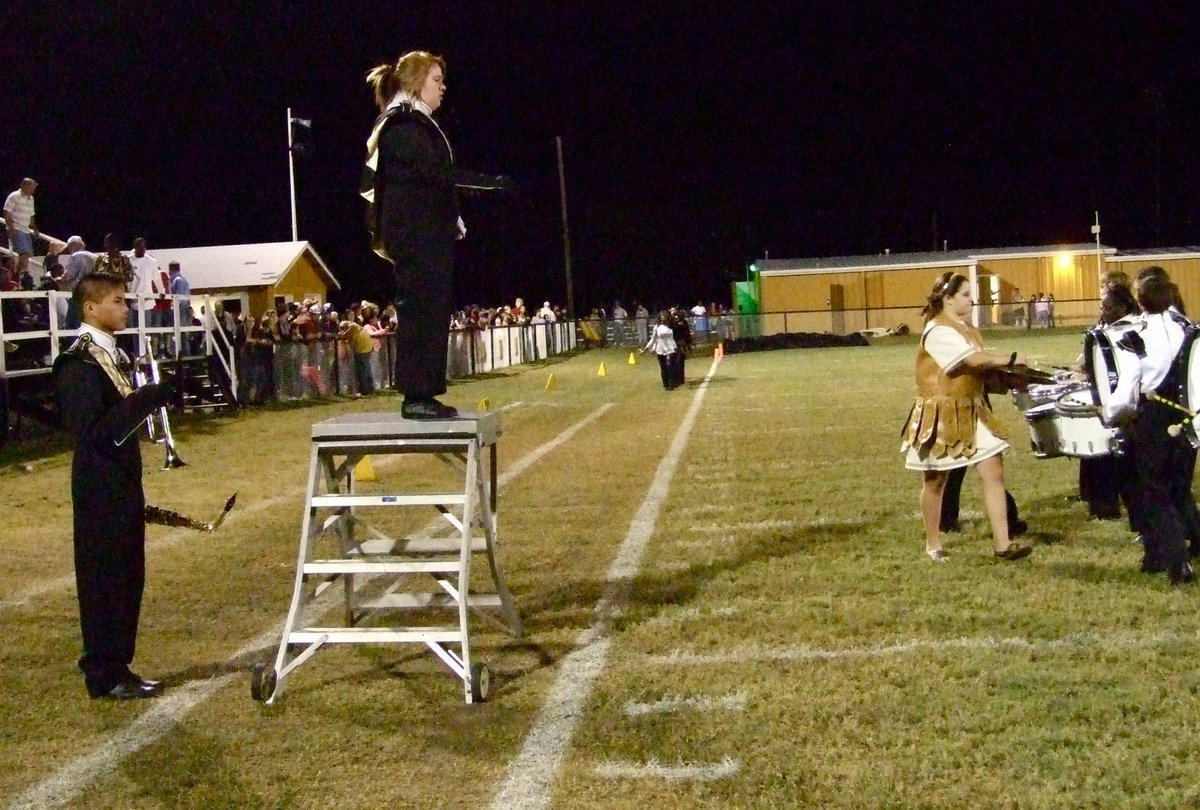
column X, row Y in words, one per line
column 785, row 581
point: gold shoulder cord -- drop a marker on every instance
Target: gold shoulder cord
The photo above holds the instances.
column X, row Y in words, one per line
column 114, row 372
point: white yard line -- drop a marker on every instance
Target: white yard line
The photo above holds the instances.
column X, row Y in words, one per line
column 709, row 509
column 692, row 614
column 653, row 769
column 676, row 703
column 530, row 776
column 768, row 654
column 165, row 712
column 744, row 526
column 726, row 540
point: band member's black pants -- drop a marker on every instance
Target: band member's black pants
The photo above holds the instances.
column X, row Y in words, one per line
column 1105, row 482
column 952, row 494
column 1167, row 512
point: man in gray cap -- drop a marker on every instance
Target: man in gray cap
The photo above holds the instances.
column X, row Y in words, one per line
column 79, row 263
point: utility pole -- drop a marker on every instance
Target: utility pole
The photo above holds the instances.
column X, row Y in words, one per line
column 562, row 193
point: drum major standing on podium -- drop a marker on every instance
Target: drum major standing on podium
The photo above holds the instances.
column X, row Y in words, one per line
column 411, row 183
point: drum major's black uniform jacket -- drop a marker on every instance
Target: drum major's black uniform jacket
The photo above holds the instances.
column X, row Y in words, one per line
column 413, row 219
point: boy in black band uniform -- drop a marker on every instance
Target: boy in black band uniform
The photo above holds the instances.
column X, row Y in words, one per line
column 103, row 413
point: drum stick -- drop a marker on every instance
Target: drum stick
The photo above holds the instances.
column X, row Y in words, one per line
column 1176, row 429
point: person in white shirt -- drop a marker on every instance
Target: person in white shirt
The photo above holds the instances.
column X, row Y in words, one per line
column 20, row 219
column 1164, row 458
column 641, row 318
column 147, row 284
column 662, row 341
column 699, row 321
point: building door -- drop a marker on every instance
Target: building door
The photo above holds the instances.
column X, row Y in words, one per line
column 987, row 300
column 837, row 308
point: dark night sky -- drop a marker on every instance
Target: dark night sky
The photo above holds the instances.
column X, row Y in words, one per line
column 696, row 135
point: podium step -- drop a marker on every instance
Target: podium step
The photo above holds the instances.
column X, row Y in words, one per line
column 430, row 499
column 374, row 635
column 386, row 566
column 420, row 601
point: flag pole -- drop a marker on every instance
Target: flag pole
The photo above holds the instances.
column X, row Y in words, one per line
column 292, row 176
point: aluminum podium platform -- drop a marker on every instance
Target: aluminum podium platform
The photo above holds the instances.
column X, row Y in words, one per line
column 383, row 576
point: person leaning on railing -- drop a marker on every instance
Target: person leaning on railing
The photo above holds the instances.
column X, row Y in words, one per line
column 361, row 347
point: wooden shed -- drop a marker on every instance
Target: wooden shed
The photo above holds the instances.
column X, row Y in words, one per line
column 851, row 293
column 249, row 278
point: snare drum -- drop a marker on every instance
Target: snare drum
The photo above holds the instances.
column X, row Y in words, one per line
column 1044, row 438
column 1080, row 430
column 1070, row 426
column 1104, row 363
column 1038, row 395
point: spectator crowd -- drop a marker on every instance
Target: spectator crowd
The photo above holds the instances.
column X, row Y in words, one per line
column 286, row 351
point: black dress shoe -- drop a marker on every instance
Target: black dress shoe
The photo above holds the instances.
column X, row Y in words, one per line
column 144, row 681
column 1181, row 573
column 427, row 409
column 128, row 690
column 1150, row 567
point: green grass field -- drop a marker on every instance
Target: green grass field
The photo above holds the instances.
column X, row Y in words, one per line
column 781, row 642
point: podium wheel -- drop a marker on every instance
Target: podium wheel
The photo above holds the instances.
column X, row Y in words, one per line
column 262, row 681
column 480, row 682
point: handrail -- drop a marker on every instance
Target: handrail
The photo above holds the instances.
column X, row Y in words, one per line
column 57, row 334
column 225, row 354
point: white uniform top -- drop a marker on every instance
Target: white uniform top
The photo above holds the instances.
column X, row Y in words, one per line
column 1162, row 336
column 946, row 346
column 105, row 341
column 662, row 341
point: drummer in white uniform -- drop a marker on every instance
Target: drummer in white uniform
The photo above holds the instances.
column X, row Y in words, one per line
column 1105, row 481
column 1150, row 391
column 950, row 424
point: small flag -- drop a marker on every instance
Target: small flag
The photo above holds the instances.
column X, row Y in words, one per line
column 365, row 470
column 601, row 372
column 632, row 359
column 485, row 404
column 551, row 385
